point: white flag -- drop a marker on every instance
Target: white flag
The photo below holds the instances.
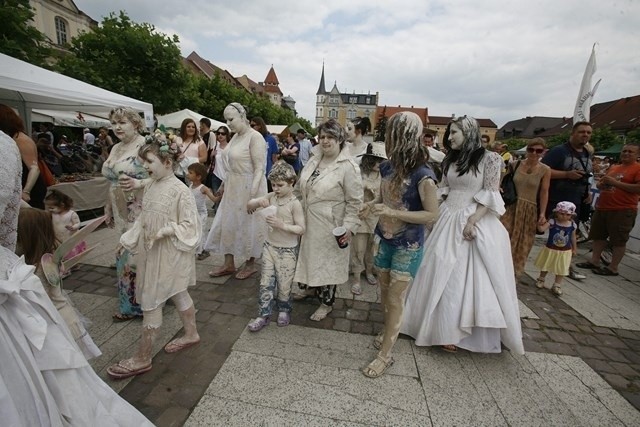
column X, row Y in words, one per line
column 583, row 104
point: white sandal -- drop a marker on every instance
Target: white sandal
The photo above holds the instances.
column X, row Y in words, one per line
column 539, row 283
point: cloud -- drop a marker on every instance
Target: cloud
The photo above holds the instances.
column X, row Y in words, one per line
column 496, row 59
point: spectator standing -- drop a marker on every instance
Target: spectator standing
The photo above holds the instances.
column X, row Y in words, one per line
column 571, row 169
column 89, row 138
column 305, row 146
column 258, row 124
column 616, row 211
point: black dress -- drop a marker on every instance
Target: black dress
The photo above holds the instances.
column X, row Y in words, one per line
column 38, row 191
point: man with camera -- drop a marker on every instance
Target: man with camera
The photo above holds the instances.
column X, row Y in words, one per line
column 571, row 170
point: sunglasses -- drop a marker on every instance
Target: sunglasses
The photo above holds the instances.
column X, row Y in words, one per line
column 535, row 150
column 221, row 133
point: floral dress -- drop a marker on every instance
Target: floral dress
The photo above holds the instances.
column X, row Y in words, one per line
column 125, row 206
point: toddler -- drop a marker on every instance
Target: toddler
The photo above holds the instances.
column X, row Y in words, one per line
column 561, row 245
column 164, row 236
column 280, row 251
column 362, row 243
column 36, row 237
column 65, row 221
column 196, row 172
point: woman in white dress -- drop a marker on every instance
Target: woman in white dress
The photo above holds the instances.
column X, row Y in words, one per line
column 464, row 294
column 234, row 232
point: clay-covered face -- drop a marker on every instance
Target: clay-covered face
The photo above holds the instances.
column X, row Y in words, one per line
column 281, row 188
column 456, row 137
column 329, row 145
column 350, row 130
column 155, row 167
column 124, row 129
column 234, row 119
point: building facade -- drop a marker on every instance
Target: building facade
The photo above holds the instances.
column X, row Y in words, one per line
column 343, row 106
column 60, row 21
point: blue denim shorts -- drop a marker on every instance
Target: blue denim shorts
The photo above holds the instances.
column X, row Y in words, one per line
column 399, row 260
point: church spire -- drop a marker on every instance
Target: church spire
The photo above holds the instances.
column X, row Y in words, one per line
column 321, row 89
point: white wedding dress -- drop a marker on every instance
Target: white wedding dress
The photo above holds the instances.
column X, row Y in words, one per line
column 464, row 292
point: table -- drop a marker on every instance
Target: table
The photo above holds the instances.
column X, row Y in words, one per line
column 86, row 195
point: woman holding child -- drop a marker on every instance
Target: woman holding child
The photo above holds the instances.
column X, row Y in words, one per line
column 330, row 191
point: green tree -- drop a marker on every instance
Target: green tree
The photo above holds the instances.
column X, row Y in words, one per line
column 131, row 59
column 633, row 136
column 18, row 37
column 603, row 138
column 561, row 138
column 381, row 126
column 513, row 143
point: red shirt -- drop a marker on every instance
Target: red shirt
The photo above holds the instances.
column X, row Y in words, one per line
column 615, row 199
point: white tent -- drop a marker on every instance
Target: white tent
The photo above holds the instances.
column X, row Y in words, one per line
column 69, row 118
column 276, row 129
column 174, row 120
column 25, row 87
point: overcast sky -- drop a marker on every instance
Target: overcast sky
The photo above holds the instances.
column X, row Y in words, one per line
column 494, row 59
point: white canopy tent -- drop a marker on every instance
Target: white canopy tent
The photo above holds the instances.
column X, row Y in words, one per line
column 26, row 86
column 276, row 129
column 69, row 118
column 174, row 120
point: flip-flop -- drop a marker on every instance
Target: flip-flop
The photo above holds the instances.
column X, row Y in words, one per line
column 603, row 271
column 244, row 274
column 450, row 348
column 119, row 317
column 220, row 273
column 128, row 372
column 172, row 347
column 587, row 264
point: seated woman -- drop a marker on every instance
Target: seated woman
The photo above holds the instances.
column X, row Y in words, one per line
column 464, row 294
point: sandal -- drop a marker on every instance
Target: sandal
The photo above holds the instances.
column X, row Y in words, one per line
column 175, row 346
column 371, row 279
column 377, row 367
column 450, row 348
column 119, row 317
column 284, row 318
column 259, row 322
column 245, row 274
column 321, row 312
column 119, row 371
column 356, row 289
column 556, row 290
column 222, row 272
column 539, row 283
column 377, row 341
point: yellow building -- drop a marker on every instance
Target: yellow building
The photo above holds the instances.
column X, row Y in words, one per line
column 343, row 106
column 60, row 21
column 438, row 124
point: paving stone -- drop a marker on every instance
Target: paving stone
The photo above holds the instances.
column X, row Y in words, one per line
column 362, row 328
column 353, row 314
column 231, row 308
column 601, row 330
column 338, row 313
column 376, row 316
column 585, row 328
column 531, row 324
column 585, row 339
column 613, row 354
column 339, row 304
column 348, row 303
column 632, row 356
column 570, row 327
column 535, row 335
column 207, row 305
column 624, row 369
column 632, row 397
column 548, row 324
column 601, row 366
column 341, row 324
column 173, row 416
column 632, row 344
column 623, row 333
column 361, row 305
column 561, row 336
column 616, row 381
column 569, row 312
column 559, row 348
column 203, row 315
column 533, row 346
column 612, row 341
column 589, row 352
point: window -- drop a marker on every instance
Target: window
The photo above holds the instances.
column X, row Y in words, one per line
column 61, row 30
column 333, row 114
column 353, row 99
column 333, row 100
column 321, row 112
column 367, row 101
column 351, row 114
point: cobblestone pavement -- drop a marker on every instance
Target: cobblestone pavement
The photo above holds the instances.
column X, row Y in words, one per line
column 170, row 391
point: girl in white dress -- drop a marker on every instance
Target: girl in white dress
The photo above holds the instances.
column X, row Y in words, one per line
column 165, row 237
column 464, row 294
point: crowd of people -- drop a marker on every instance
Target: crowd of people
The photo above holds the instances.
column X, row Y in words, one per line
column 424, row 223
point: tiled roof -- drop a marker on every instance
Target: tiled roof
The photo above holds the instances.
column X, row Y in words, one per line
column 249, row 84
column 201, row 65
column 271, row 78
column 389, row 111
column 444, row 120
column 528, row 127
column 358, row 98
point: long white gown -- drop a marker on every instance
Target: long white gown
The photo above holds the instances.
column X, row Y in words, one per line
column 464, row 292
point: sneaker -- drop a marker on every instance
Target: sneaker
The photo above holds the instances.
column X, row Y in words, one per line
column 575, row 275
column 556, row 290
column 203, row 255
column 540, row 283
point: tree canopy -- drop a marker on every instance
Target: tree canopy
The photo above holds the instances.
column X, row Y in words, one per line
column 18, row 37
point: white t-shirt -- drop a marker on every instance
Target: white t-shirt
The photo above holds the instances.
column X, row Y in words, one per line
column 201, row 199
